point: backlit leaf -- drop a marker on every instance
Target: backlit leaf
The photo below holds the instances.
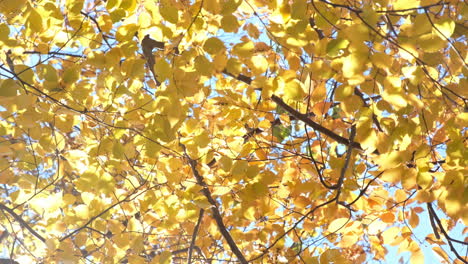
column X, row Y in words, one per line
column 213, row 46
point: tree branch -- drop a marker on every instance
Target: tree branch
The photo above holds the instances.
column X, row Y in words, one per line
column 346, row 164
column 21, row 221
column 449, row 239
column 98, row 27
column 315, row 125
column 7, row 261
column 194, row 236
column 215, row 211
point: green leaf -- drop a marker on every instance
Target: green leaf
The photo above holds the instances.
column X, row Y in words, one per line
column 281, row 132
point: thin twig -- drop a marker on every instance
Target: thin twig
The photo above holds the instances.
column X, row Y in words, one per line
column 194, row 236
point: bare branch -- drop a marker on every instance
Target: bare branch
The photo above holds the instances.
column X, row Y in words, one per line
column 194, row 236
column 22, row 222
column 215, row 211
column 349, row 151
column 313, row 124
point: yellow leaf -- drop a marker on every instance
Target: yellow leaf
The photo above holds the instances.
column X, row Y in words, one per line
column 169, row 12
column 285, row 10
column 343, row 92
column 203, row 65
column 408, row 52
column 417, row 257
column 162, row 69
column 294, row 90
column 4, row 31
column 82, row 211
column 25, row 73
column 71, row 74
column 126, row 32
column 259, row 64
column 8, row 88
column 283, row 192
column 431, row 43
column 382, row 60
column 302, row 202
column 202, row 202
column 444, row 28
column 11, row 6
column 230, row 23
column 165, row 257
column 34, row 21
column 213, row 46
column 221, row 190
column 353, row 64
column 118, row 150
column 357, row 33
column 47, row 204
column 203, row 139
column 337, row 225
column 234, row 66
column 396, row 100
column 392, row 175
column 128, row 5
column 333, row 256
column 405, row 4
column 249, row 213
column 390, row 235
column 408, row 178
column 226, row 163
column 299, row 9
column 245, row 49
column 442, row 253
column 212, row 6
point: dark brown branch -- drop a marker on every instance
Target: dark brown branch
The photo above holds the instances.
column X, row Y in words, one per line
column 240, row 77
column 304, row 118
column 194, row 236
column 215, row 211
column 349, row 151
column 7, row 261
column 21, row 221
column 317, row 30
column 55, row 53
column 449, row 239
column 366, row 104
column 431, row 218
column 313, row 124
column 180, row 251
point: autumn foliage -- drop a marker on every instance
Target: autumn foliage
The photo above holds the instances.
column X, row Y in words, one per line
column 243, row 131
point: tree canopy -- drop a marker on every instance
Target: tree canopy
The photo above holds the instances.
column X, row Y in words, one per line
column 243, row 131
